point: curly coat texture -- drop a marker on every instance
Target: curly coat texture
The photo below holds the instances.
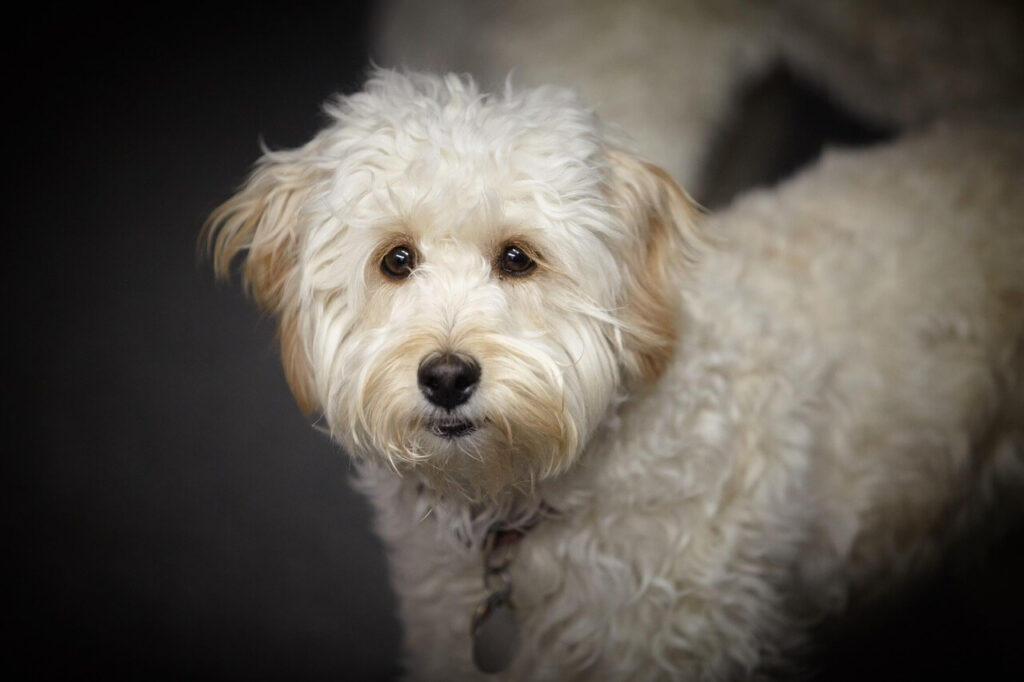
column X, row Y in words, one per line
column 725, row 423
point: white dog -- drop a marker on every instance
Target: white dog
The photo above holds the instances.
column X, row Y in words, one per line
column 606, row 437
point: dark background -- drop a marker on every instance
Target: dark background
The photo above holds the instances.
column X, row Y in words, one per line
column 169, row 513
column 174, row 515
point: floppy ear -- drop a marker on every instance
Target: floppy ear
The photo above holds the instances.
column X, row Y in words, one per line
column 663, row 222
column 264, row 220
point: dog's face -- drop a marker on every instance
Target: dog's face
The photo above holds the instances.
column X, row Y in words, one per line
column 464, row 284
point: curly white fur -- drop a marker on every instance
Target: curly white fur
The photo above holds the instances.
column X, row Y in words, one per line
column 726, row 423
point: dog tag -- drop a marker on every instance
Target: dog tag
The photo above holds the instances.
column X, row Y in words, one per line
column 495, row 635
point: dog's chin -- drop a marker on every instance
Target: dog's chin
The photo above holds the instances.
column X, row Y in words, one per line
column 470, row 454
column 468, row 459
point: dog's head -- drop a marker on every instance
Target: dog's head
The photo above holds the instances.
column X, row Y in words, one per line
column 464, row 283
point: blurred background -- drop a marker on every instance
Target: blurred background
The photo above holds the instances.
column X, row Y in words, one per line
column 169, row 511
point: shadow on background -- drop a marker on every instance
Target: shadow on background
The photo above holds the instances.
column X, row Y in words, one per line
column 171, row 513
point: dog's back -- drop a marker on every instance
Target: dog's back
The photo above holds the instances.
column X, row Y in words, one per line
column 900, row 271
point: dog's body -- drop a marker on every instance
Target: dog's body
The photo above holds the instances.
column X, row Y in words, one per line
column 709, row 429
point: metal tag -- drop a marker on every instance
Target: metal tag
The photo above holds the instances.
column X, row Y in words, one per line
column 495, row 635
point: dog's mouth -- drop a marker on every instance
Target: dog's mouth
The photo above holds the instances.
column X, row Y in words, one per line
column 452, row 428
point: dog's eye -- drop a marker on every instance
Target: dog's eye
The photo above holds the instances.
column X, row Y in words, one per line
column 398, row 262
column 515, row 262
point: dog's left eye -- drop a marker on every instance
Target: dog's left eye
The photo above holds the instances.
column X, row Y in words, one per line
column 515, row 262
column 398, row 262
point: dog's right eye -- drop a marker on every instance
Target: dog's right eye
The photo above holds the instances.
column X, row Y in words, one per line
column 398, row 262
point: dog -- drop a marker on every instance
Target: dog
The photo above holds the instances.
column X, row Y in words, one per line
column 608, row 436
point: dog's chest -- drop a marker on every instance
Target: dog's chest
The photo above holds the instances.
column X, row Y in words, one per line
column 587, row 593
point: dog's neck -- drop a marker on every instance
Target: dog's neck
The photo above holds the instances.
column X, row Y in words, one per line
column 505, row 520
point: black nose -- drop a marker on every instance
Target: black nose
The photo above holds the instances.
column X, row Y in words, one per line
column 447, row 380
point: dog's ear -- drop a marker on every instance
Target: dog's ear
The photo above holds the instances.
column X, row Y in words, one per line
column 663, row 222
column 263, row 221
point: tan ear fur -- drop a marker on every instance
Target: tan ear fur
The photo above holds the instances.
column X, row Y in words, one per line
column 665, row 222
column 263, row 220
